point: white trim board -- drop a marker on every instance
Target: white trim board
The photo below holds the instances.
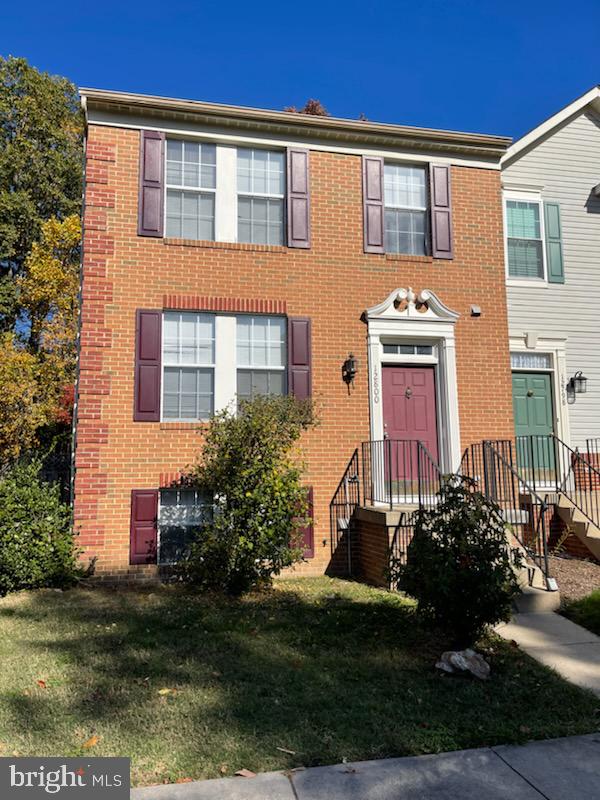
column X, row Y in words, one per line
column 591, row 96
column 557, row 349
column 264, row 139
column 406, row 317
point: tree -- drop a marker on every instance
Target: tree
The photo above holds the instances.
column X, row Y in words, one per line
column 41, row 134
column 312, row 107
column 249, row 466
column 459, row 566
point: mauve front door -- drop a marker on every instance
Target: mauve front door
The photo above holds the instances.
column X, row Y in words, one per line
column 409, row 412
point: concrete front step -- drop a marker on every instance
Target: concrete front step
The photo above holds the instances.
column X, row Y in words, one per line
column 582, row 527
column 534, row 600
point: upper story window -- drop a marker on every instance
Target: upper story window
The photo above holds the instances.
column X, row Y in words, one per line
column 405, row 197
column 260, row 190
column 525, row 245
column 191, row 183
column 261, row 356
column 188, row 366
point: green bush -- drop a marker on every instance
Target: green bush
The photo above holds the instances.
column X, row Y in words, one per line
column 250, row 466
column 459, row 566
column 36, row 539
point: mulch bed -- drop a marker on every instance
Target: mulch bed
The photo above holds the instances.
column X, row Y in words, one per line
column 576, row 578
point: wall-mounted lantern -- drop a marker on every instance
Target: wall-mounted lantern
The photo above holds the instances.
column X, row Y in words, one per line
column 349, row 368
column 576, row 385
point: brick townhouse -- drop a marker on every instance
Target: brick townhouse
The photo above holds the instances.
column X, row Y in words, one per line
column 232, row 251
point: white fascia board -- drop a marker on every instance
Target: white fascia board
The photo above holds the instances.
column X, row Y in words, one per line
column 259, row 138
column 552, row 122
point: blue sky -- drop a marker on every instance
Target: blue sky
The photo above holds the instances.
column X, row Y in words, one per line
column 492, row 67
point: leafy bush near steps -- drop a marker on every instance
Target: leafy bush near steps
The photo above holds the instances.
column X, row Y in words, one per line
column 460, row 568
column 251, row 466
column 36, row 538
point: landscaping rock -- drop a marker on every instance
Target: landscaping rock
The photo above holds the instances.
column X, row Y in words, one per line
column 460, row 661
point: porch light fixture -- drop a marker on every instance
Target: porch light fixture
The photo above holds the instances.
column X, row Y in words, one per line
column 349, row 368
column 576, row 385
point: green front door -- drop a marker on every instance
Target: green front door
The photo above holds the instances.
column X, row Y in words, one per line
column 534, row 421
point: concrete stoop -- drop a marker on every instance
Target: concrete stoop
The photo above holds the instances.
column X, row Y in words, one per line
column 582, row 527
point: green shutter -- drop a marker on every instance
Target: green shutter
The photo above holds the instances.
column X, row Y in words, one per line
column 556, row 273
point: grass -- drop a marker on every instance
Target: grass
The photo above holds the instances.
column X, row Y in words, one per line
column 585, row 612
column 324, row 668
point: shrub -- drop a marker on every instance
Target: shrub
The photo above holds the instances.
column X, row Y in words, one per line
column 459, row 566
column 249, row 465
column 36, row 539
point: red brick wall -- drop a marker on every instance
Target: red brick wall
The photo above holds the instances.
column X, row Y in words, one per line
column 332, row 283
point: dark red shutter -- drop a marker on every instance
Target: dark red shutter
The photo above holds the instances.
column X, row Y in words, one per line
column 298, row 198
column 441, row 211
column 373, row 204
column 299, row 357
column 308, row 532
column 146, row 406
column 143, row 531
column 151, row 197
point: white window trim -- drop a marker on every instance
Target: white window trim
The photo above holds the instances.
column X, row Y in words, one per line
column 191, row 189
column 225, row 364
column 425, row 209
column 166, row 364
column 263, row 195
column 199, row 496
column 525, row 197
column 226, row 189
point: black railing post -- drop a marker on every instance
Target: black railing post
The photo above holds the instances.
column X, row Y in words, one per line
column 419, row 475
column 389, row 459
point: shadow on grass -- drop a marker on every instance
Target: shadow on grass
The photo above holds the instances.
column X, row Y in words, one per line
column 324, row 669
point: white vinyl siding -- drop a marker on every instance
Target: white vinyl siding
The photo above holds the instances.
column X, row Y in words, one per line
column 525, row 246
column 261, row 188
column 564, row 166
column 405, row 192
column 191, row 181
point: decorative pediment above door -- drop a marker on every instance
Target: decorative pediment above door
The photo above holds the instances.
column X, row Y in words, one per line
column 406, row 303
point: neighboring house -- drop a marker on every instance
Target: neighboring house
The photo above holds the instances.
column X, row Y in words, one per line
column 232, row 251
column 551, row 186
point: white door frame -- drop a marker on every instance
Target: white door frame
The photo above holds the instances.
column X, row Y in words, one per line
column 404, row 317
column 556, row 348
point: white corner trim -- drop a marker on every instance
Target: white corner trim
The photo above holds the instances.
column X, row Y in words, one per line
column 433, row 325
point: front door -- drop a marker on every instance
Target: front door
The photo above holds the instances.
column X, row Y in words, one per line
column 534, row 421
column 409, row 413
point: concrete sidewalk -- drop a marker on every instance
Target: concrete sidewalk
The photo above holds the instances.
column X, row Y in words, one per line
column 555, row 641
column 556, row 769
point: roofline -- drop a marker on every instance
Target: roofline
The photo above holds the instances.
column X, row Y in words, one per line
column 321, row 126
column 551, row 122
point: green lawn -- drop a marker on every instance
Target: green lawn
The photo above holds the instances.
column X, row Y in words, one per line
column 585, row 612
column 324, row 668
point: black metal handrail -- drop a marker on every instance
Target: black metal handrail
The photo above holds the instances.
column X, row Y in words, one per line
column 578, row 480
column 526, row 513
column 395, row 471
column 592, row 446
column 344, row 503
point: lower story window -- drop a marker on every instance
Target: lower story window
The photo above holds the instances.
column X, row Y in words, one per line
column 261, row 356
column 211, row 360
column 182, row 512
